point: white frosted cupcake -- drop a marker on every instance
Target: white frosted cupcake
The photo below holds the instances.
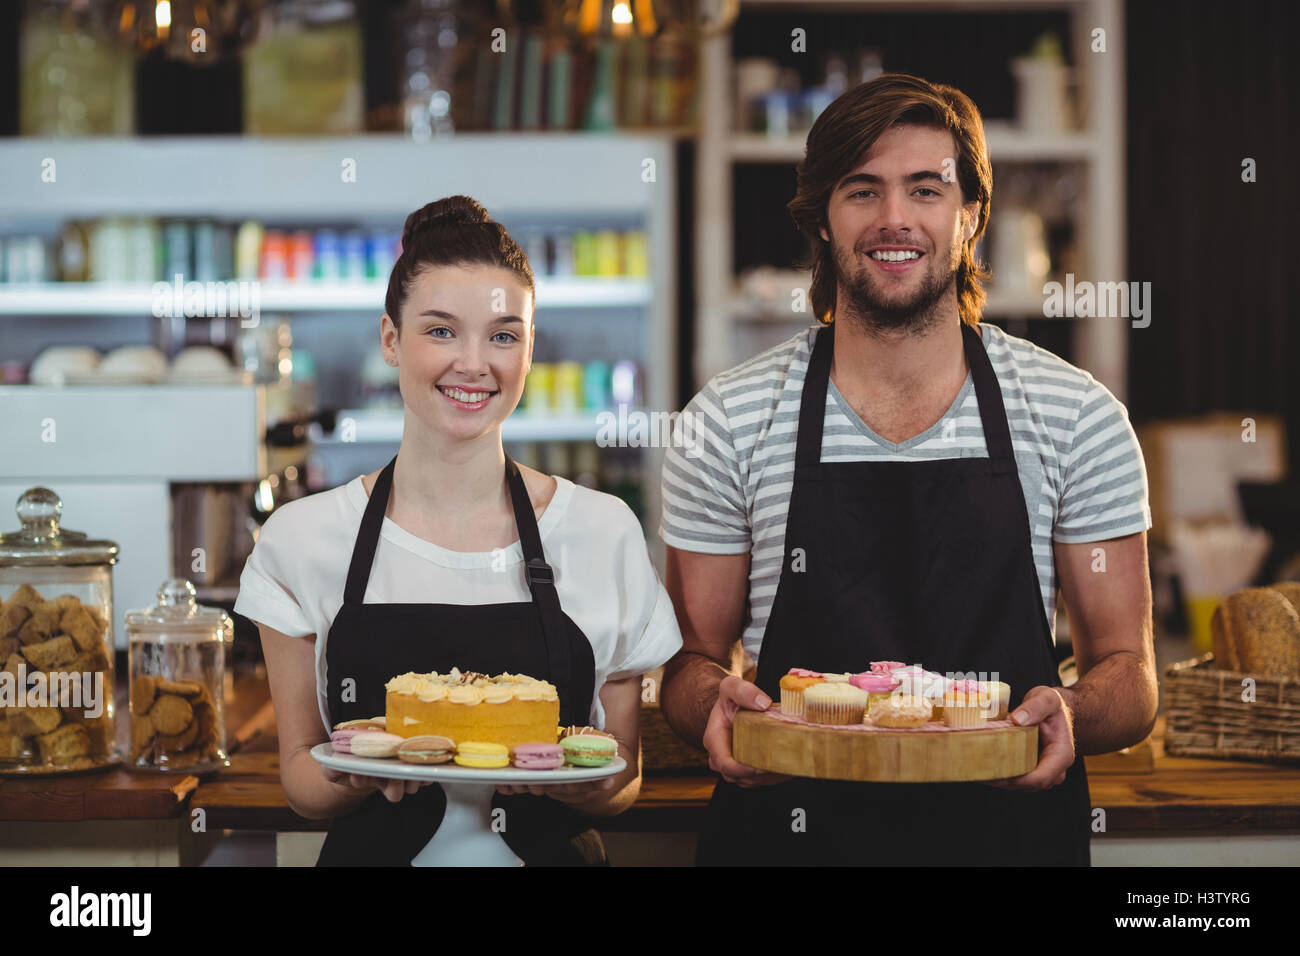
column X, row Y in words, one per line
column 899, row 710
column 834, row 704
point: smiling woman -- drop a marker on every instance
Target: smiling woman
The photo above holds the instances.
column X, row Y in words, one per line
column 453, row 556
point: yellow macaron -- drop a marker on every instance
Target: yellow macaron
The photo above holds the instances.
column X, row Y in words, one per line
column 484, row 756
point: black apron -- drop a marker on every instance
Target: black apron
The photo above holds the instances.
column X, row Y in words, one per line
column 369, row 644
column 925, row 562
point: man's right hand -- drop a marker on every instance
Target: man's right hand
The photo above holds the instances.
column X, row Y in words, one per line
column 735, row 694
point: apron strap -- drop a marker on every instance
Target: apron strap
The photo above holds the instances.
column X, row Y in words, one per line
column 363, row 552
column 540, row 576
column 812, row 404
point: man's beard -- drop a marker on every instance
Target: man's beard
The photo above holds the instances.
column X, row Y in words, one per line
column 912, row 315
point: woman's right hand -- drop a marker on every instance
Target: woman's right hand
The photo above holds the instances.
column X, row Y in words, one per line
column 735, row 694
column 393, row 790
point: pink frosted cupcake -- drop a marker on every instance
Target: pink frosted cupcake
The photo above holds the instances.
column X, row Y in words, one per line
column 885, row 667
column 965, row 703
column 877, row 686
column 793, row 686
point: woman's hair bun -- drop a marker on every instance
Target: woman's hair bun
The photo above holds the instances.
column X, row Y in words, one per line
column 450, row 211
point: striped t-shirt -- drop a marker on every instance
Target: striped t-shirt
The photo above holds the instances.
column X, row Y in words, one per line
column 726, row 487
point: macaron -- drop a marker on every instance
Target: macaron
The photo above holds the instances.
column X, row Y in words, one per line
column 587, row 750
column 375, row 743
column 369, row 723
column 538, row 756
column 426, row 748
column 485, row 756
column 341, row 740
column 575, row 731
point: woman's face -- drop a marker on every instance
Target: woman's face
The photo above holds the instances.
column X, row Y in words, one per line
column 465, row 346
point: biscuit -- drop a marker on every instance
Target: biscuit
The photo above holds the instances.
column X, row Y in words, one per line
column 12, row 617
column 189, row 689
column 52, row 654
column 143, row 691
column 175, row 743
column 27, row 596
column 35, row 720
column 14, row 660
column 43, row 623
column 65, row 601
column 101, row 622
column 88, row 662
column 70, row 740
column 206, row 719
column 14, row 747
column 79, row 626
column 142, row 735
column 8, row 645
column 171, row 714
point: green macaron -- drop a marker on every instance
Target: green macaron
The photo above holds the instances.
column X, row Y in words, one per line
column 582, row 750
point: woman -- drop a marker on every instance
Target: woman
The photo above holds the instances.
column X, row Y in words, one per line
column 341, row 583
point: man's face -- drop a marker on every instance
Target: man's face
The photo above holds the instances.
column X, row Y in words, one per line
column 896, row 204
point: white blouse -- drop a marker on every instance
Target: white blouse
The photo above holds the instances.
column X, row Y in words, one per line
column 293, row 581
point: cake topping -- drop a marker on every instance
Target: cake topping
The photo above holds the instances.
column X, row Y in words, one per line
column 874, row 683
column 431, row 690
column 403, row 683
column 465, row 694
column 836, row 678
column 496, row 694
column 801, row 672
column 884, row 667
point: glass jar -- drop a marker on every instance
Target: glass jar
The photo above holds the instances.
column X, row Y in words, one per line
column 56, row 644
column 177, row 678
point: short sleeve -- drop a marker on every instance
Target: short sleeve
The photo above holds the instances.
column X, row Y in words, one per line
column 703, row 501
column 648, row 634
column 265, row 592
column 1104, row 494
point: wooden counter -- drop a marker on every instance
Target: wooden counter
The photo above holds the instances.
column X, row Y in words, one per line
column 1179, row 794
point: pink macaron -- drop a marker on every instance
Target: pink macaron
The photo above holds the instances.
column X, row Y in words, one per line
column 538, row 756
column 341, row 740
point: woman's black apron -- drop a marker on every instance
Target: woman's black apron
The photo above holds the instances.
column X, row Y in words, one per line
column 924, row 562
column 369, row 644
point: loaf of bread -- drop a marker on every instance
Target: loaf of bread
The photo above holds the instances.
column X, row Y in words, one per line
column 1257, row 631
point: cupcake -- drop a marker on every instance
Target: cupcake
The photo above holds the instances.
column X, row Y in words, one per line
column 884, row 667
column 877, row 686
column 964, row 704
column 915, row 681
column 834, row 704
column 793, row 686
column 901, row 710
column 999, row 699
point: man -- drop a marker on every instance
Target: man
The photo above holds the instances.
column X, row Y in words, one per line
column 903, row 483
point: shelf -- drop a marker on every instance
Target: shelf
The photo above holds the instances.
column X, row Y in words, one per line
column 1005, row 144
column 95, row 298
column 384, row 427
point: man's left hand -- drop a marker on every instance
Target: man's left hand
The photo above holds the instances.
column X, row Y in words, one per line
column 1048, row 708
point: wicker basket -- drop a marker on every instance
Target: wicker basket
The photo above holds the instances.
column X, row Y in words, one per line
column 1206, row 717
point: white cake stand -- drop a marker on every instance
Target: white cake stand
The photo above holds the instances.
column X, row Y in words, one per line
column 465, row 837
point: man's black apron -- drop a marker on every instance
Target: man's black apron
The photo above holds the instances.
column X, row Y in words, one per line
column 369, row 644
column 924, row 562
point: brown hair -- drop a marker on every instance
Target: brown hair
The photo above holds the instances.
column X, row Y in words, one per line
column 452, row 231
column 844, row 133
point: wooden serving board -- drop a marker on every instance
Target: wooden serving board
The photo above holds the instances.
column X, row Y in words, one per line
column 933, row 754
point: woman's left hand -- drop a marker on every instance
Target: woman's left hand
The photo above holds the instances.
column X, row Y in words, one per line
column 574, row 793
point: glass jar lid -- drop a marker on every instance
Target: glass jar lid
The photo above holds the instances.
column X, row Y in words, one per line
column 179, row 615
column 42, row 542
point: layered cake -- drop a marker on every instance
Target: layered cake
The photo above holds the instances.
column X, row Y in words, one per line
column 509, row 709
